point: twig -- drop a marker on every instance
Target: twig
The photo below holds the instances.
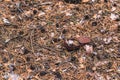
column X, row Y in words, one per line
column 46, row 3
column 51, row 49
column 18, row 36
column 31, row 41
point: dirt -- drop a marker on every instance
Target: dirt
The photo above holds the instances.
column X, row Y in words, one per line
column 59, row 39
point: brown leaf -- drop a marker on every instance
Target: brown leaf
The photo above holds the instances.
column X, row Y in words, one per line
column 83, row 39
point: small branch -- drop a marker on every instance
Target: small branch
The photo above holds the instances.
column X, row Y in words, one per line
column 31, row 40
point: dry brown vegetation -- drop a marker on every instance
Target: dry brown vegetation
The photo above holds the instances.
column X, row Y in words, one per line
column 60, row 40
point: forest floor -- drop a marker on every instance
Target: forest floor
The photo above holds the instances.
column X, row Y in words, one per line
column 60, row 40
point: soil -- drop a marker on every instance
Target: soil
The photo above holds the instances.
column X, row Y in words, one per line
column 59, row 39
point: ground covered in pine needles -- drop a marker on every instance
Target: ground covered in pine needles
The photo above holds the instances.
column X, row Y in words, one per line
column 60, row 40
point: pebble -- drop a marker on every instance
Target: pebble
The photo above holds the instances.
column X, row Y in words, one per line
column 88, row 48
column 6, row 21
column 114, row 16
column 103, row 31
column 34, row 11
column 93, row 0
column 86, row 17
column 52, row 34
column 64, row 31
column 94, row 68
column 32, row 67
column 70, row 42
column 13, row 76
column 94, row 23
column 107, row 40
column 43, row 73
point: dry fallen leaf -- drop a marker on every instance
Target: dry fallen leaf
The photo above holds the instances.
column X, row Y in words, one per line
column 83, row 39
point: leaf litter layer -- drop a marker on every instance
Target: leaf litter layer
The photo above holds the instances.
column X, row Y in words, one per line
column 60, row 39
